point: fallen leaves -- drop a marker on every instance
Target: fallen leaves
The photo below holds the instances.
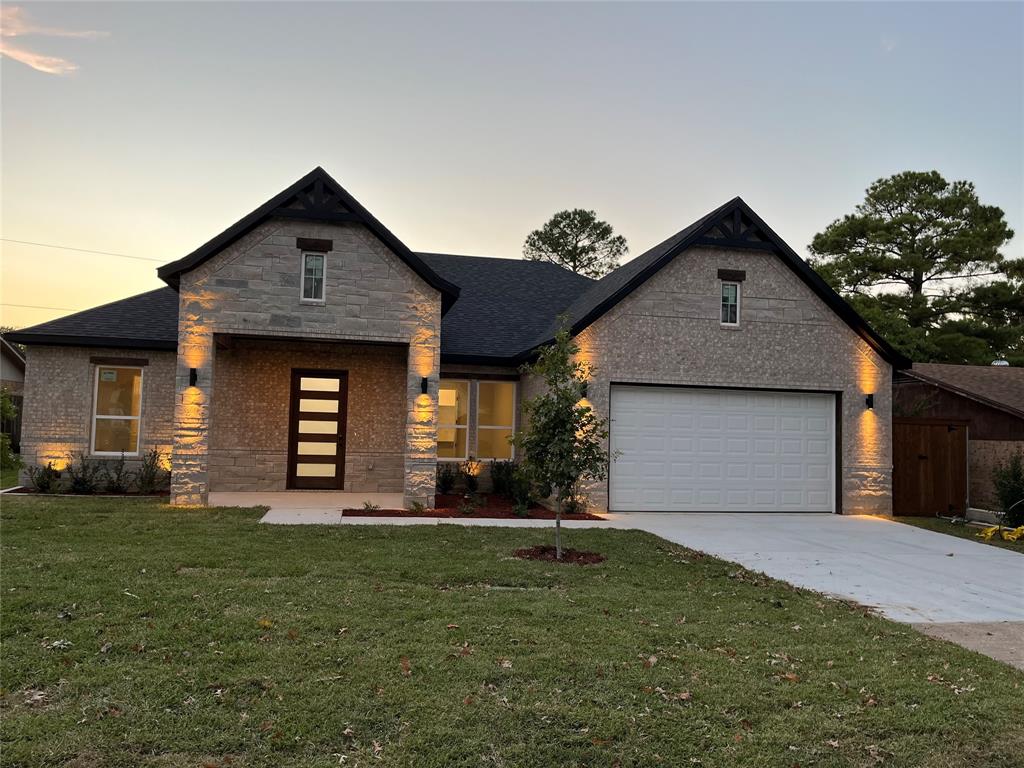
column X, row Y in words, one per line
column 406, row 667
column 264, row 623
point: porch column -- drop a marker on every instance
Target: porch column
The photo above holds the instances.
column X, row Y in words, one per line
column 189, row 459
column 421, row 421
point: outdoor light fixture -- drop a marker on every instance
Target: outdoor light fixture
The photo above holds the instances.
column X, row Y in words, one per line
column 583, row 389
column 869, row 401
column 193, row 377
column 424, row 385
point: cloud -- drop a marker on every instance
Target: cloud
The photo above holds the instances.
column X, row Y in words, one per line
column 14, row 22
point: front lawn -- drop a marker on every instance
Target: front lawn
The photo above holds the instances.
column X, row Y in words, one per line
column 963, row 531
column 8, row 477
column 138, row 635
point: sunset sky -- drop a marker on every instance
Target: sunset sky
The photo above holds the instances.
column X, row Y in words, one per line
column 144, row 129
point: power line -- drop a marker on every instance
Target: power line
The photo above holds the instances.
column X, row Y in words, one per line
column 81, row 250
column 33, row 306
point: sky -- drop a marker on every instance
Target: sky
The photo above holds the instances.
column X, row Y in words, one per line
column 144, row 129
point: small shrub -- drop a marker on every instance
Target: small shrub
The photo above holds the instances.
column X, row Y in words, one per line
column 418, row 507
column 116, row 476
column 520, row 509
column 369, row 506
column 501, row 477
column 471, row 474
column 45, row 479
column 575, row 505
column 469, row 506
column 8, row 458
column 152, row 477
column 84, row 474
column 1008, row 479
column 521, row 488
column 445, row 478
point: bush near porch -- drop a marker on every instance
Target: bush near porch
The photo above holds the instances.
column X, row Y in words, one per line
column 137, row 634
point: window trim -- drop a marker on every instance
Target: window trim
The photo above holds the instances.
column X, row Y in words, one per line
column 512, row 426
column 722, row 304
column 469, row 416
column 95, row 416
column 302, row 280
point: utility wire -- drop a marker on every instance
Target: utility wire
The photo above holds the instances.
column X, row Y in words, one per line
column 80, row 250
column 33, row 306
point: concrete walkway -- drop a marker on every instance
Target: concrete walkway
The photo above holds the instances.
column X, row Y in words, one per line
column 966, row 591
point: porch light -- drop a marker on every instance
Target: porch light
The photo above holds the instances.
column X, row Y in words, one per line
column 424, row 385
column 193, row 377
column 869, row 401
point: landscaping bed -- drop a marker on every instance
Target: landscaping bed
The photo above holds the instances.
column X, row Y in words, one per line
column 486, row 505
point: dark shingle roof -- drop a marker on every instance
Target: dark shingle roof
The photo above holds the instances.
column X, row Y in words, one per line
column 504, row 304
column 999, row 385
column 146, row 321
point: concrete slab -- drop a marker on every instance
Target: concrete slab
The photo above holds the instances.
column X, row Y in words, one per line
column 1003, row 640
column 291, row 506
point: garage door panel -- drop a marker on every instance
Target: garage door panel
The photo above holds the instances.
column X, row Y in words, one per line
column 721, row 450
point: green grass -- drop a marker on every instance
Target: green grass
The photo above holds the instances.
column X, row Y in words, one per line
column 201, row 638
column 8, row 478
column 962, row 531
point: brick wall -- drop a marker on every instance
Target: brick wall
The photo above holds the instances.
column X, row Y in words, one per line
column 58, row 405
column 249, row 427
column 983, row 456
column 668, row 331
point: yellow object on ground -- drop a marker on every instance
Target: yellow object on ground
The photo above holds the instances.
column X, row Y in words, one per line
column 1007, row 534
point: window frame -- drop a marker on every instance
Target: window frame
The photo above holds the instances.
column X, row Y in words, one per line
column 95, row 416
column 511, row 427
column 722, row 305
column 323, row 278
column 469, row 416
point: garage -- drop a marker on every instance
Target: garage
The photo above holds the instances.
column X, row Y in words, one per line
column 685, row 449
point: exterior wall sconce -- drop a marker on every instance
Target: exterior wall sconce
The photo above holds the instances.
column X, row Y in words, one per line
column 869, row 401
column 424, row 385
column 193, row 377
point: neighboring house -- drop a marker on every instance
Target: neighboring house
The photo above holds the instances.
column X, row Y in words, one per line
column 307, row 347
column 987, row 400
column 12, row 381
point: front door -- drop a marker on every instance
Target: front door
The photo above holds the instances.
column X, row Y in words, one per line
column 316, row 433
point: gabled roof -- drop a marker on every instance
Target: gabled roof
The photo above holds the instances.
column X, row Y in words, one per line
column 146, row 321
column 735, row 226
column 13, row 353
column 504, row 304
column 314, row 197
column 1000, row 386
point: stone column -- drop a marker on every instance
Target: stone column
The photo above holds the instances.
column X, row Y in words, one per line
column 192, row 403
column 421, row 423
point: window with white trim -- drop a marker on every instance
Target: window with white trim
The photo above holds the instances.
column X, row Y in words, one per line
column 495, row 410
column 117, row 410
column 730, row 303
column 313, row 276
column 452, row 419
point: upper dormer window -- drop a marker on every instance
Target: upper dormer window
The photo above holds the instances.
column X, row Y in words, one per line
column 730, row 303
column 312, row 277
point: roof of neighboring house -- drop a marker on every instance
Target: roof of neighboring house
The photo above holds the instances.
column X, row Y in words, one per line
column 13, row 353
column 1000, row 386
column 505, row 308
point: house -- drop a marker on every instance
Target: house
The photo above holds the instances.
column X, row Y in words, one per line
column 307, row 347
column 983, row 403
column 12, row 381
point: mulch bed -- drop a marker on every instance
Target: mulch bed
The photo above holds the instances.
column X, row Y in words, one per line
column 25, row 490
column 547, row 553
column 488, row 505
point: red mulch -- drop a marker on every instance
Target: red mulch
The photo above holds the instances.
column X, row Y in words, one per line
column 547, row 553
column 488, row 505
column 24, row 489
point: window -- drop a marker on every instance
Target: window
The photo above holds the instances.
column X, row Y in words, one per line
column 117, row 408
column 312, row 277
column 452, row 419
column 730, row 303
column 496, row 408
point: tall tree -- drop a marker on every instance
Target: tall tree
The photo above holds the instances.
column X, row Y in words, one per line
column 578, row 241
column 564, row 442
column 914, row 258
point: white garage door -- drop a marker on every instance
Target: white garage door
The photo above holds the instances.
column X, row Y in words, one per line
column 721, row 450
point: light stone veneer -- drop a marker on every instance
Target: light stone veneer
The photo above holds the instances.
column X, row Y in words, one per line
column 668, row 332
column 251, row 289
column 57, row 411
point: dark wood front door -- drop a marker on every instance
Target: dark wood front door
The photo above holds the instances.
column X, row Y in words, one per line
column 929, row 473
column 316, row 433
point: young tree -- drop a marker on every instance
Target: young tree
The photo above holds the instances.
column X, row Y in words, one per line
column 909, row 258
column 578, row 241
column 563, row 444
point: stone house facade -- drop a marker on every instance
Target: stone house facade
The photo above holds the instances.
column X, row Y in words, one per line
column 307, row 348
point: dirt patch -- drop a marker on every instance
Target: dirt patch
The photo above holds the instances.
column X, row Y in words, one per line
column 548, row 554
column 486, row 505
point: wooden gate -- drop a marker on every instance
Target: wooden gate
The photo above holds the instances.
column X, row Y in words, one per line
column 929, row 473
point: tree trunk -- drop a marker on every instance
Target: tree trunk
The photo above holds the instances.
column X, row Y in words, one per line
column 558, row 530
